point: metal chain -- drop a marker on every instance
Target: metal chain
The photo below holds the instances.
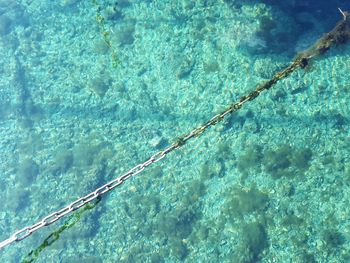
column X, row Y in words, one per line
column 339, row 35
column 196, row 132
column 48, row 220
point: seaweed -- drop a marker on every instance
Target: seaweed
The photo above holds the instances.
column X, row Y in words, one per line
column 339, row 35
column 278, row 161
column 178, row 225
column 253, row 242
column 241, row 202
column 255, row 239
column 250, row 160
column 286, row 161
column 195, row 191
column 302, row 158
column 106, row 36
column 333, row 238
column 291, row 220
column 55, row 235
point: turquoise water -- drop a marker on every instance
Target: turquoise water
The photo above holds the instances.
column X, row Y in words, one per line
column 89, row 89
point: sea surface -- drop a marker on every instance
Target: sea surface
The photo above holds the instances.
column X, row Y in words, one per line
column 91, row 88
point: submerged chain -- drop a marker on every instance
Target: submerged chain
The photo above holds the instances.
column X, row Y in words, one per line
column 48, row 220
column 82, row 201
column 339, row 35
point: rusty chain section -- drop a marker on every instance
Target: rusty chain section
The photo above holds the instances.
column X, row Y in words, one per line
column 339, row 35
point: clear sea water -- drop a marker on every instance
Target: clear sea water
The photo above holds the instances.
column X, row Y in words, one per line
column 91, row 88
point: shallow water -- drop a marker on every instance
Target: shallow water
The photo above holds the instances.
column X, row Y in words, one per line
column 89, row 89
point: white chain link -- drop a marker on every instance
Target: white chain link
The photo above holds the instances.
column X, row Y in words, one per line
column 48, row 220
